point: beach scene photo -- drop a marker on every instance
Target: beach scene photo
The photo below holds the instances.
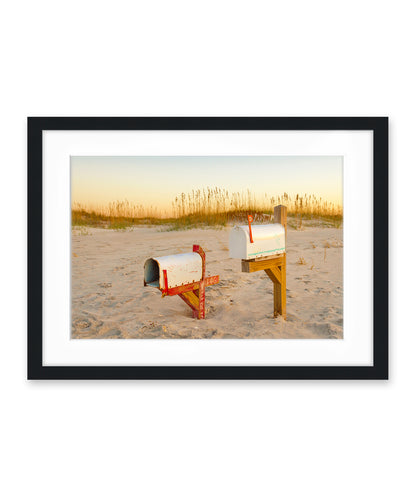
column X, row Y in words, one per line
column 189, row 247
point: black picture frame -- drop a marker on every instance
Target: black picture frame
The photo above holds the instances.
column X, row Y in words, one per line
column 379, row 127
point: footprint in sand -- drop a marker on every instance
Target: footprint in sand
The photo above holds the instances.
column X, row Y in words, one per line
column 116, row 269
column 85, row 326
column 105, row 284
column 110, row 333
column 82, row 323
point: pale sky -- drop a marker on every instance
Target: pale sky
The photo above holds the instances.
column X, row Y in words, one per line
column 157, row 180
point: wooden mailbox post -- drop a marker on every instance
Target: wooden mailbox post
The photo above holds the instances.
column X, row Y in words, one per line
column 194, row 294
column 274, row 266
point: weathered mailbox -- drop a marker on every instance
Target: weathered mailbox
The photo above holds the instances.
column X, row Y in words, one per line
column 181, row 269
column 268, row 240
column 182, row 275
column 263, row 247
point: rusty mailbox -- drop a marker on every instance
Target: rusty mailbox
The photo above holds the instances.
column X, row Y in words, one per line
column 183, row 275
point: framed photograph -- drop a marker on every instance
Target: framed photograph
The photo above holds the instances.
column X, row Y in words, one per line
column 208, row 248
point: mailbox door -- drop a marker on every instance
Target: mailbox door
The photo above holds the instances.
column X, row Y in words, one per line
column 180, row 269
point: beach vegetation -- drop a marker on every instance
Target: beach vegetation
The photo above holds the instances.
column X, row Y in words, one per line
column 212, row 207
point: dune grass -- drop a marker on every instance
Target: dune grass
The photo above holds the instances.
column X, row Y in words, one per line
column 212, row 207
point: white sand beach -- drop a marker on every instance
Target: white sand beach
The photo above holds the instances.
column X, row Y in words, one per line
column 110, row 301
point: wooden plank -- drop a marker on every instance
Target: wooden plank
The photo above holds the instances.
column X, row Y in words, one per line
column 283, row 289
column 197, row 249
column 193, row 300
column 183, row 289
column 201, row 296
column 263, row 258
column 277, row 299
column 280, row 217
column 274, row 274
column 209, row 281
column 195, row 312
column 276, row 285
column 186, row 300
column 279, row 289
column 271, row 275
column 255, row 265
column 212, row 279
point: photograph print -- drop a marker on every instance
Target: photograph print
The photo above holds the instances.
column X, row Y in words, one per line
column 207, row 247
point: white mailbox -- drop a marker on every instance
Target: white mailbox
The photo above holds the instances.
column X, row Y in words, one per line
column 181, row 269
column 182, row 275
column 268, row 240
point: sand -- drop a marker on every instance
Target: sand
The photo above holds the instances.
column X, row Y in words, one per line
column 110, row 301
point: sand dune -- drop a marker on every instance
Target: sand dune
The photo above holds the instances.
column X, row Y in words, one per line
column 110, row 301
